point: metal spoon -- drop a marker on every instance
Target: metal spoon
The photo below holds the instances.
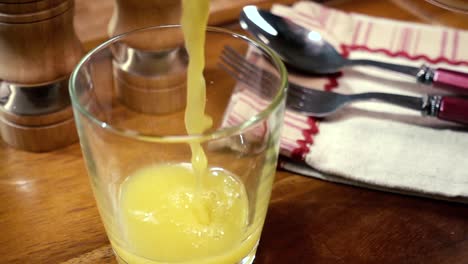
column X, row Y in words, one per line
column 307, row 51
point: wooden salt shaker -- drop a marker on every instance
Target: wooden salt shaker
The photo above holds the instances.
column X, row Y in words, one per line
column 38, row 50
column 150, row 68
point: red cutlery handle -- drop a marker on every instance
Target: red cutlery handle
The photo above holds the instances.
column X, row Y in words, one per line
column 451, row 80
column 454, row 109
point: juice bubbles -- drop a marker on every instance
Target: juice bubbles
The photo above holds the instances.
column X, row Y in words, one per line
column 161, row 220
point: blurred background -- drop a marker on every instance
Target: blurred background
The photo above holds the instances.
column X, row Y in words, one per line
column 92, row 17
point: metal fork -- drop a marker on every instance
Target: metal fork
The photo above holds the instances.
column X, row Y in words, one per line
column 321, row 103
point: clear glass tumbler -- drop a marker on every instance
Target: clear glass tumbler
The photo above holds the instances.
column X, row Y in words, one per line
column 129, row 97
column 454, row 5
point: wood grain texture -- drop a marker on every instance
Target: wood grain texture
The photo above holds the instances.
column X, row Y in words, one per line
column 38, row 138
column 95, row 30
column 327, row 223
column 48, row 213
column 40, row 50
column 38, row 46
column 129, row 15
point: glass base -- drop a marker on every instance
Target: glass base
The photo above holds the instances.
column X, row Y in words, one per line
column 249, row 259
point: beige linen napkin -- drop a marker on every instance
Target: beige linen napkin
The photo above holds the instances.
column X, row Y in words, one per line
column 374, row 144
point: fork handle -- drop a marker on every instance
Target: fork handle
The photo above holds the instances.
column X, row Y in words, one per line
column 452, row 108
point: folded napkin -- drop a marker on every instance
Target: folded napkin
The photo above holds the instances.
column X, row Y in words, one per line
column 371, row 144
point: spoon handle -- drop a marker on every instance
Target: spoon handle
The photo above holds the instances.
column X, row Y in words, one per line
column 454, row 81
column 408, row 70
column 451, row 80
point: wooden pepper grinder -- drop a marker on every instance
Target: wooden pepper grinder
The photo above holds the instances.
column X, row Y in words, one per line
column 150, row 67
column 38, row 50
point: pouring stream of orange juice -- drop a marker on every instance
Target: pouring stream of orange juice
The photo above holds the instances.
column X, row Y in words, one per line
column 187, row 213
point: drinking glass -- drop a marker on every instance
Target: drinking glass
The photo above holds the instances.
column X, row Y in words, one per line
column 128, row 97
column 454, row 5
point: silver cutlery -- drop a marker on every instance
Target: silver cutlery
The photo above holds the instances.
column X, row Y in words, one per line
column 322, row 103
column 308, row 51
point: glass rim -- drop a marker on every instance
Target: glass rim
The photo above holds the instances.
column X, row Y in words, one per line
column 218, row 133
column 447, row 6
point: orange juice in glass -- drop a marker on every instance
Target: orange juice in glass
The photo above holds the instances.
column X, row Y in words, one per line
column 169, row 192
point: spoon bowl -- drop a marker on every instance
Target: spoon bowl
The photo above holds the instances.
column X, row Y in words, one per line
column 300, row 48
column 307, row 51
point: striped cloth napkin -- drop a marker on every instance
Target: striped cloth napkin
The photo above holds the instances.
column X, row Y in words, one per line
column 371, row 144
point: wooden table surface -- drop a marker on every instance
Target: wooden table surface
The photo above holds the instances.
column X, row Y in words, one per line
column 48, row 213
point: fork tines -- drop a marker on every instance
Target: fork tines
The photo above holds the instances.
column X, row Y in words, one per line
column 257, row 79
